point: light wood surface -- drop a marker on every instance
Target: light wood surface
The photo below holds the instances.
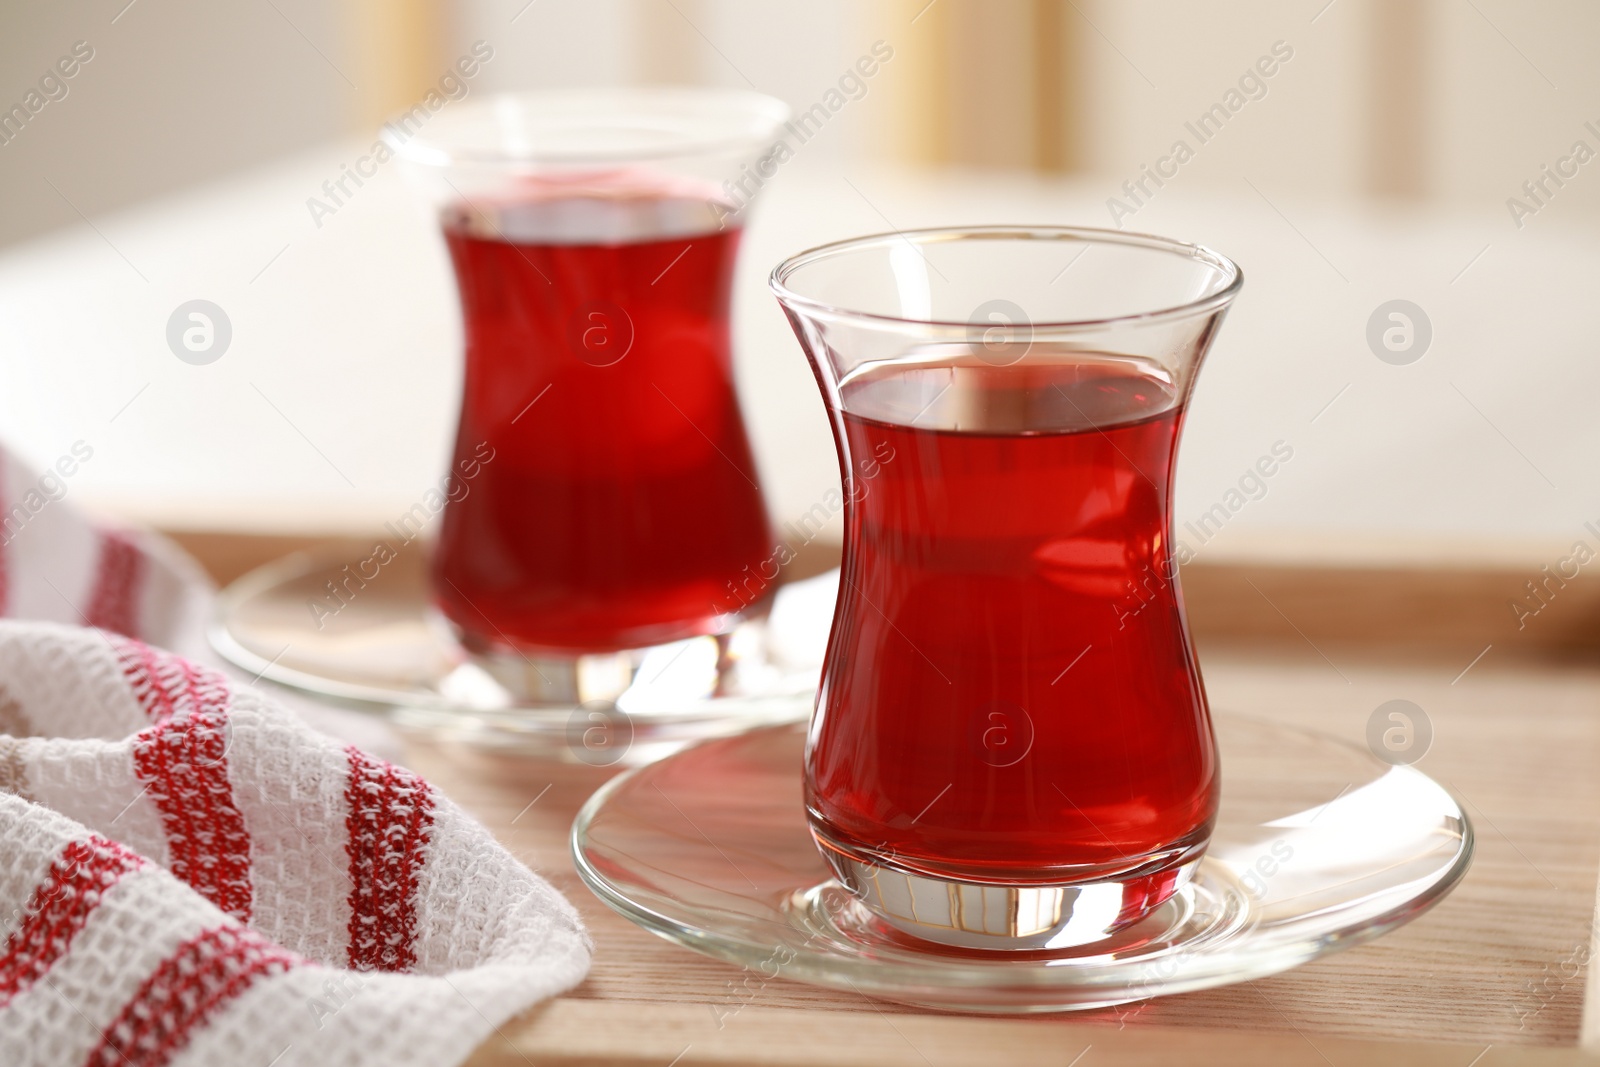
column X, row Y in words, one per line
column 1496, row 971
column 1497, row 965
column 588, row 1033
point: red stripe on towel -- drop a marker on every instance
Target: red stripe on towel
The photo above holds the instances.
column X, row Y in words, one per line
column 119, row 574
column 184, row 992
column 169, row 686
column 59, row 908
column 183, row 760
column 389, row 822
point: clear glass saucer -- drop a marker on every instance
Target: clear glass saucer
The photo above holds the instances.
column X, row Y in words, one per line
column 1319, row 846
column 337, row 626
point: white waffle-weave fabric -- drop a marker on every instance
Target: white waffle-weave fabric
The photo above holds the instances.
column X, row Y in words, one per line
column 190, row 874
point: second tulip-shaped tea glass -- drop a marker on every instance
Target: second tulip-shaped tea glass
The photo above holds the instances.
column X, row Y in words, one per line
column 1011, row 747
column 603, row 492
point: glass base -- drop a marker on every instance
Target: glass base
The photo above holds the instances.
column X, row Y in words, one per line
column 1318, row 846
column 536, row 679
column 378, row 646
column 994, row 917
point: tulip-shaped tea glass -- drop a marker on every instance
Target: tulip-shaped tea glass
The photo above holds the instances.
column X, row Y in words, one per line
column 1011, row 747
column 603, row 494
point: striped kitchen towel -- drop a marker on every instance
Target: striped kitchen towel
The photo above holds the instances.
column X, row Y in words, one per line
column 192, row 875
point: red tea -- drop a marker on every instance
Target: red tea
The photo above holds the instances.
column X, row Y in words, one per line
column 1011, row 690
column 621, row 497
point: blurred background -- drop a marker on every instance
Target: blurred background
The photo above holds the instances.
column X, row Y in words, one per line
column 1348, row 153
column 1457, row 101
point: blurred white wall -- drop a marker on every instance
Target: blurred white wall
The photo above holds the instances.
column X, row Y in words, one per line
column 794, row 51
column 177, row 92
column 1512, row 86
column 1475, row 95
column 1155, row 65
column 548, row 43
column 1465, row 101
column 1503, row 88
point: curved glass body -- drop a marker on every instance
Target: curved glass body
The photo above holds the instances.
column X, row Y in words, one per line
column 603, row 492
column 1010, row 696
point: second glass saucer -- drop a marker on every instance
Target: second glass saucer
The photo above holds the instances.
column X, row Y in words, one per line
column 1318, row 846
column 336, row 626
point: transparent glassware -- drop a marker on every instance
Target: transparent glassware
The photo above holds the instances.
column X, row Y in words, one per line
column 602, row 496
column 1011, row 747
column 1318, row 846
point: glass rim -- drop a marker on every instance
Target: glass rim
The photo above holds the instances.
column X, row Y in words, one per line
column 1230, row 273
column 747, row 117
